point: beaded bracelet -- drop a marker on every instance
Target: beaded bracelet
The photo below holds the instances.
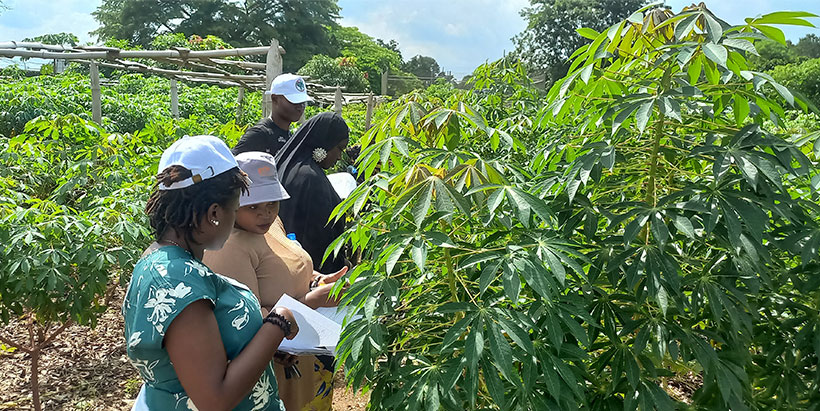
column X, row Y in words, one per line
column 278, row 320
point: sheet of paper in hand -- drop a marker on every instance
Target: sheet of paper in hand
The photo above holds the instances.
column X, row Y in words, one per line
column 317, row 333
column 344, row 183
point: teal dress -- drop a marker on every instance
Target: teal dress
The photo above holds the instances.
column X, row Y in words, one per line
column 164, row 282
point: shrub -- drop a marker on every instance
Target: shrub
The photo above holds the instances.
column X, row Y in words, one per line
column 341, row 71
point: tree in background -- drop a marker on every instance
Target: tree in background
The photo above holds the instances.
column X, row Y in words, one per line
column 809, row 46
column 391, row 45
column 771, row 53
column 301, row 27
column 371, row 56
column 422, row 66
column 341, row 71
column 550, row 37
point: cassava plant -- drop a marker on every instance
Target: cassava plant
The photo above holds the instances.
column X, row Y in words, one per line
column 670, row 231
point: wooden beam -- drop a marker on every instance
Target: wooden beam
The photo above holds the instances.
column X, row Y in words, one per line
column 96, row 104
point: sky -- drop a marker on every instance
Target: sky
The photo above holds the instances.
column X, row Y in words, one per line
column 459, row 34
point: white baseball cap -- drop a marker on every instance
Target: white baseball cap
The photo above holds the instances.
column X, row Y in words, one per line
column 205, row 156
column 265, row 185
column 291, row 86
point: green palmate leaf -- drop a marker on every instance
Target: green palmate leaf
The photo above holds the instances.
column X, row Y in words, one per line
column 784, row 92
column 474, row 345
column 685, row 26
column 684, row 225
column 643, row 114
column 741, row 44
column 555, row 266
column 716, row 52
column 694, row 70
column 500, row 348
column 455, row 332
column 588, row 33
column 714, row 29
column 422, row 203
column 773, row 33
column 740, row 108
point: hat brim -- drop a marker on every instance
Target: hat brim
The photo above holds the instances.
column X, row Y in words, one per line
column 298, row 98
column 264, row 193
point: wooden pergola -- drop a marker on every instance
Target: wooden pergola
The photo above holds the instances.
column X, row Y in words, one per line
column 202, row 66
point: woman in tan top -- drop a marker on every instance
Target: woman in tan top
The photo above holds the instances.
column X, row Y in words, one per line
column 259, row 254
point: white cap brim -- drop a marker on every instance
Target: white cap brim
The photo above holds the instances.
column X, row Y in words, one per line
column 298, row 98
column 264, row 193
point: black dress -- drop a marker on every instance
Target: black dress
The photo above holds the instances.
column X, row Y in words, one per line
column 312, row 197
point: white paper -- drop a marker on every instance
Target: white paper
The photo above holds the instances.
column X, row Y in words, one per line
column 344, row 183
column 317, row 333
column 337, row 314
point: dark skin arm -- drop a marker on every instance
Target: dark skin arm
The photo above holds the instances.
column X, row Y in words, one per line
column 195, row 347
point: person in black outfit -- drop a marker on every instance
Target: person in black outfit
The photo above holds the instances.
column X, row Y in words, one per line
column 289, row 96
column 316, row 147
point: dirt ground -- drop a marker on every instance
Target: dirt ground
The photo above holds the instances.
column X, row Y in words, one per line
column 86, row 369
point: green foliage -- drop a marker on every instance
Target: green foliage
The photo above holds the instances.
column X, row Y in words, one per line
column 802, row 77
column 134, row 102
column 422, row 66
column 65, row 39
column 809, row 46
column 371, row 57
column 666, row 229
column 301, row 27
column 771, row 54
column 70, row 217
column 193, row 42
column 550, row 36
column 341, row 71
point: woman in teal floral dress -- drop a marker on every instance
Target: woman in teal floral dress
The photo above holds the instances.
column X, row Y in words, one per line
column 198, row 339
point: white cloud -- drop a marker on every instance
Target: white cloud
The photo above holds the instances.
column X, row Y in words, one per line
column 459, row 34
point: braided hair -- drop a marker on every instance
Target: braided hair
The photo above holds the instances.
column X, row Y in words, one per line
column 183, row 209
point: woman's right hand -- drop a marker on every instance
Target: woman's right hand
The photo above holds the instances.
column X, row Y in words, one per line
column 294, row 327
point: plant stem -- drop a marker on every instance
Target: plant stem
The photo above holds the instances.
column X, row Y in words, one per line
column 651, row 195
column 451, row 275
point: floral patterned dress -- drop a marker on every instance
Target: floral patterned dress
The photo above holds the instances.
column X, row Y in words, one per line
column 164, row 282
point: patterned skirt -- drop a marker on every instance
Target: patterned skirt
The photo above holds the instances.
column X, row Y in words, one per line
column 313, row 391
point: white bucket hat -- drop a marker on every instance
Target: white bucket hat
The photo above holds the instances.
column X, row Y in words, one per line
column 205, row 156
column 265, row 185
column 291, row 86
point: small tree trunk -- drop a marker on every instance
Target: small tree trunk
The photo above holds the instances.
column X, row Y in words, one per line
column 34, row 379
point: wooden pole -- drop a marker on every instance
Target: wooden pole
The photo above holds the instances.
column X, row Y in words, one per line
column 174, row 99
column 337, row 101
column 96, row 105
column 239, row 100
column 384, row 82
column 368, row 116
column 273, row 68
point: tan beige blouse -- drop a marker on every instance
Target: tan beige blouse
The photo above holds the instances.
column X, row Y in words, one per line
column 269, row 264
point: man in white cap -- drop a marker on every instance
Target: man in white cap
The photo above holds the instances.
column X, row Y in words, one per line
column 288, row 94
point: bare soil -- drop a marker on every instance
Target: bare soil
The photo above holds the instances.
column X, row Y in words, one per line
column 87, row 369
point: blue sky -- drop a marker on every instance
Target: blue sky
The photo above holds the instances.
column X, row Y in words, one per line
column 459, row 34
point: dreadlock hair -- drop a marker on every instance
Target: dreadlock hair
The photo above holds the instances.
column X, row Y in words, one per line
column 182, row 209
